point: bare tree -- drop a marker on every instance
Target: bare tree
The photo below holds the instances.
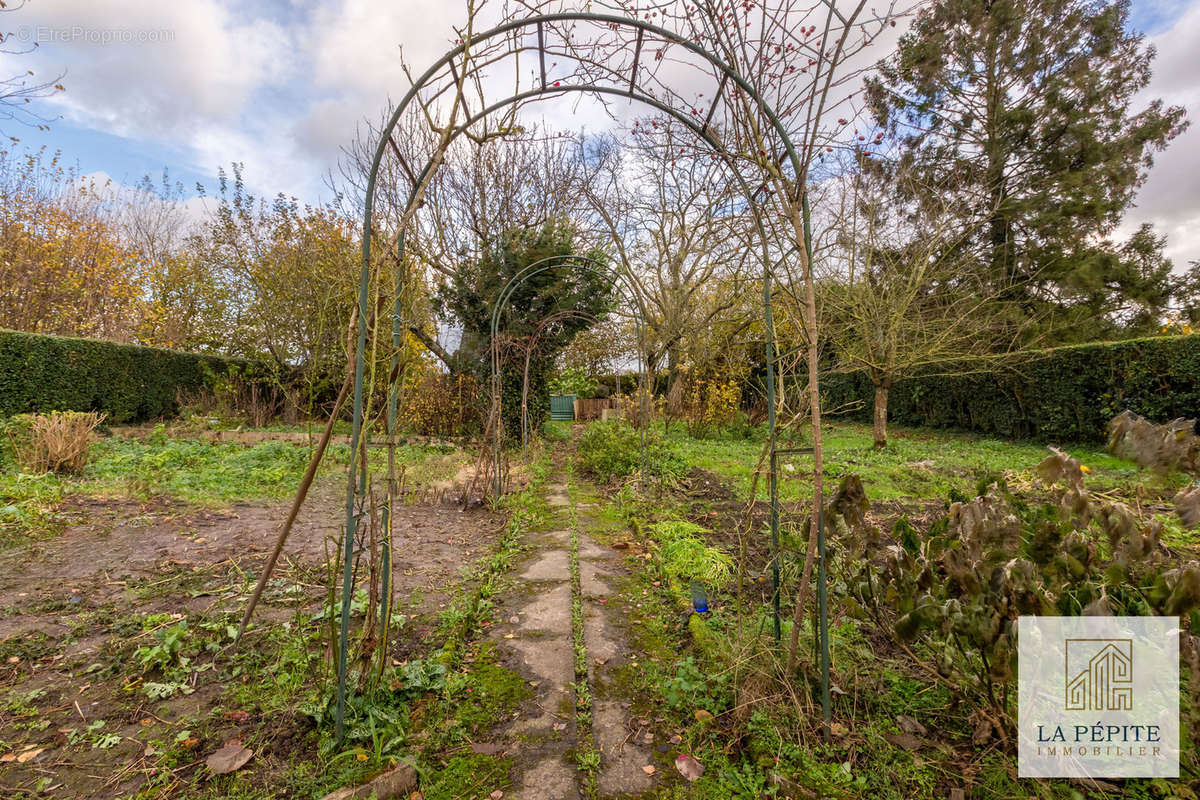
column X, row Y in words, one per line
column 680, row 238
column 900, row 295
column 17, row 92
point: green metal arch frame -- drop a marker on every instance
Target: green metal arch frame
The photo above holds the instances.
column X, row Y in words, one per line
column 358, row 484
column 619, row 279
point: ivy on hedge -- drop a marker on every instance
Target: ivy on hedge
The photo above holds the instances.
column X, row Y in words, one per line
column 1062, row 394
column 128, row 383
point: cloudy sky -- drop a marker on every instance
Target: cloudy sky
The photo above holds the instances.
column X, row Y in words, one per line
column 280, row 85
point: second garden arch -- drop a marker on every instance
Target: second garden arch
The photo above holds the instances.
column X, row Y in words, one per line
column 619, row 280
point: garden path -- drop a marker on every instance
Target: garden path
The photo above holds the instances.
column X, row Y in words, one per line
column 577, row 738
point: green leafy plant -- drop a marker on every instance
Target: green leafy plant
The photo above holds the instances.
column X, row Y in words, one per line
column 161, row 691
column 611, row 450
column 167, row 652
column 687, row 557
column 690, row 687
column 573, row 380
column 995, row 558
column 93, row 736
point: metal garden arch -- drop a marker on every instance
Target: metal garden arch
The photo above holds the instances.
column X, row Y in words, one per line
column 619, row 280
column 357, row 484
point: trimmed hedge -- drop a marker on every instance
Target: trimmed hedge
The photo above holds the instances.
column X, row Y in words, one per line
column 129, row 383
column 1063, row 394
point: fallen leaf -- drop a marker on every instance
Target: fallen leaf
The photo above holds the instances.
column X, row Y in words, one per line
column 911, row 725
column 838, row 729
column 905, row 740
column 7, row 757
column 689, row 767
column 496, row 795
column 648, row 769
column 702, row 715
column 233, row 756
column 983, row 732
column 30, row 755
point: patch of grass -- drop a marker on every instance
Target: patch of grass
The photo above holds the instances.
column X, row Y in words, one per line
column 467, row 777
column 483, row 696
column 195, row 471
column 915, row 464
column 27, row 504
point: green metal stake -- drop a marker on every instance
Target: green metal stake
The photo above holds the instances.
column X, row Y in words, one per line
column 819, row 509
column 769, row 326
column 355, row 436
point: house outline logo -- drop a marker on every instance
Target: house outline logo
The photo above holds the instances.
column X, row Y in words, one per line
column 1098, row 675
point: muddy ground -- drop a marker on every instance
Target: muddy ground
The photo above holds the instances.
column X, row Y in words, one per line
column 75, row 608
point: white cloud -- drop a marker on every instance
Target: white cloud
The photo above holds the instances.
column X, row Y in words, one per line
column 1170, row 198
column 186, row 63
column 282, row 86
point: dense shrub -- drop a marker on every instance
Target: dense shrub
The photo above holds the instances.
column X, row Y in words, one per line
column 610, row 450
column 1065, row 394
column 126, row 382
column 54, row 442
column 710, row 406
column 573, row 380
column 962, row 587
column 439, row 404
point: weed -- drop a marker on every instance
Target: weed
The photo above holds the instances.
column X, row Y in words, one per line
column 167, row 652
column 610, row 450
column 686, row 556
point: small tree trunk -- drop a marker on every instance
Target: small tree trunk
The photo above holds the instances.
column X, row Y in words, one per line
column 881, row 402
column 525, row 402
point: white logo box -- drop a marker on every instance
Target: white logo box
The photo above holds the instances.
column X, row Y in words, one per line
column 1098, row 697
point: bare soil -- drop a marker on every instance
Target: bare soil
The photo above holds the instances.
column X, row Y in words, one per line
column 69, row 611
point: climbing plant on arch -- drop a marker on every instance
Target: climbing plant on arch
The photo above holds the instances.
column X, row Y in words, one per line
column 621, row 61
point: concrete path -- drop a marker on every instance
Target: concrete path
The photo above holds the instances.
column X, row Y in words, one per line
column 571, row 714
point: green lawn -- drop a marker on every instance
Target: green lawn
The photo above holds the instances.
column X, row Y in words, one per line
column 915, row 464
column 194, row 471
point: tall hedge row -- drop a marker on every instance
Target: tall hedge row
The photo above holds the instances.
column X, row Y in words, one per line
column 1064, row 394
column 129, row 383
